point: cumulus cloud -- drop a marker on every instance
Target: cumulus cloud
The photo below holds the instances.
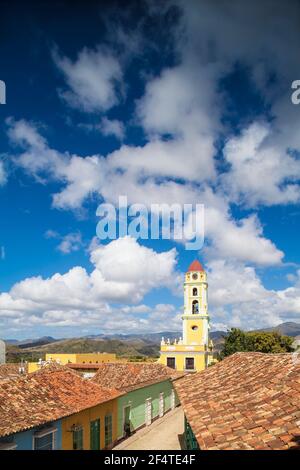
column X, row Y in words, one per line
column 181, row 113
column 67, row 243
column 132, row 171
column 237, row 298
column 82, row 175
column 112, row 293
column 242, row 240
column 112, row 127
column 263, row 169
column 94, row 79
column 123, row 272
column 260, row 171
column 126, row 259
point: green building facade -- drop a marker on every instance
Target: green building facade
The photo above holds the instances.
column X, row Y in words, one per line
column 142, row 406
column 189, row 437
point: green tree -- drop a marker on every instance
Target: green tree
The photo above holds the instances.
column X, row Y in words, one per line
column 237, row 340
column 234, row 341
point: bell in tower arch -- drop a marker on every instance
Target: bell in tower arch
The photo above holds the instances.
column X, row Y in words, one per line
column 195, row 307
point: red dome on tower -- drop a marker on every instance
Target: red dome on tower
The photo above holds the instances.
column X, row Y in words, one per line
column 195, row 266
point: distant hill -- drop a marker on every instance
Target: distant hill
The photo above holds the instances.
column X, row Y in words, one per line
column 130, row 345
column 131, row 349
column 148, row 337
column 36, row 342
column 215, row 335
column 26, row 343
column 287, row 328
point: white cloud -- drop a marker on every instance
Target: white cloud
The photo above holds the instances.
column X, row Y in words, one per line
column 94, row 79
column 123, row 273
column 241, row 240
column 260, row 172
column 82, row 175
column 68, row 243
column 238, row 298
column 262, row 39
column 112, row 127
column 180, row 101
column 107, row 127
column 133, row 171
column 181, row 113
column 126, row 259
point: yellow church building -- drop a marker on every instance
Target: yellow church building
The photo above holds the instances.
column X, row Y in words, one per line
column 193, row 351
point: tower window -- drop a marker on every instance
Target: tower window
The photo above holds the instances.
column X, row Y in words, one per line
column 195, row 306
column 194, row 328
column 195, row 291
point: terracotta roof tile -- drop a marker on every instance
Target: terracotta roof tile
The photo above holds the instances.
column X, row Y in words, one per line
column 46, row 395
column 10, row 369
column 248, row 400
column 130, row 376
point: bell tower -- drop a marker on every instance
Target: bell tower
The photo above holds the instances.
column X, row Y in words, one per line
column 193, row 351
column 195, row 316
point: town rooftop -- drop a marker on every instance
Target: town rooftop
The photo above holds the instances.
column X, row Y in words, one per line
column 247, row 401
column 49, row 394
column 131, row 376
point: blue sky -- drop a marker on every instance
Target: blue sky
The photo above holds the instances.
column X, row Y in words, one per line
column 183, row 102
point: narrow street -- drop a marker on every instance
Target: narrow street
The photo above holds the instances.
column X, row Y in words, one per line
column 163, row 434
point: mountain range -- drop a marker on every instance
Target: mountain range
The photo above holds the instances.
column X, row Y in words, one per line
column 127, row 345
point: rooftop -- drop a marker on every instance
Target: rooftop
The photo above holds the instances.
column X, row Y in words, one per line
column 247, row 401
column 51, row 393
column 10, row 370
column 131, row 376
column 78, row 365
column 195, row 266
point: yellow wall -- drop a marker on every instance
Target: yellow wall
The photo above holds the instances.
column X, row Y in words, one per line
column 89, row 358
column 199, row 360
column 83, row 418
column 92, row 358
column 193, row 337
column 33, row 366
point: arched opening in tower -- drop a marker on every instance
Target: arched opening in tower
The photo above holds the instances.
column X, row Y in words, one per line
column 195, row 306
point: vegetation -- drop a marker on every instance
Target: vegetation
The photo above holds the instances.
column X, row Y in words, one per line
column 237, row 340
column 137, row 350
column 146, row 347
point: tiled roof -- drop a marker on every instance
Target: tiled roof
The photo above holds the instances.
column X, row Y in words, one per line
column 130, row 376
column 247, row 401
column 195, row 266
column 75, row 366
column 46, row 395
column 9, row 370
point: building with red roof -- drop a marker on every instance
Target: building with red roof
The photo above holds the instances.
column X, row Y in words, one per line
column 54, row 408
column 248, row 401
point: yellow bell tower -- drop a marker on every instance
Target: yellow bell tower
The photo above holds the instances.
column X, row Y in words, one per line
column 192, row 352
